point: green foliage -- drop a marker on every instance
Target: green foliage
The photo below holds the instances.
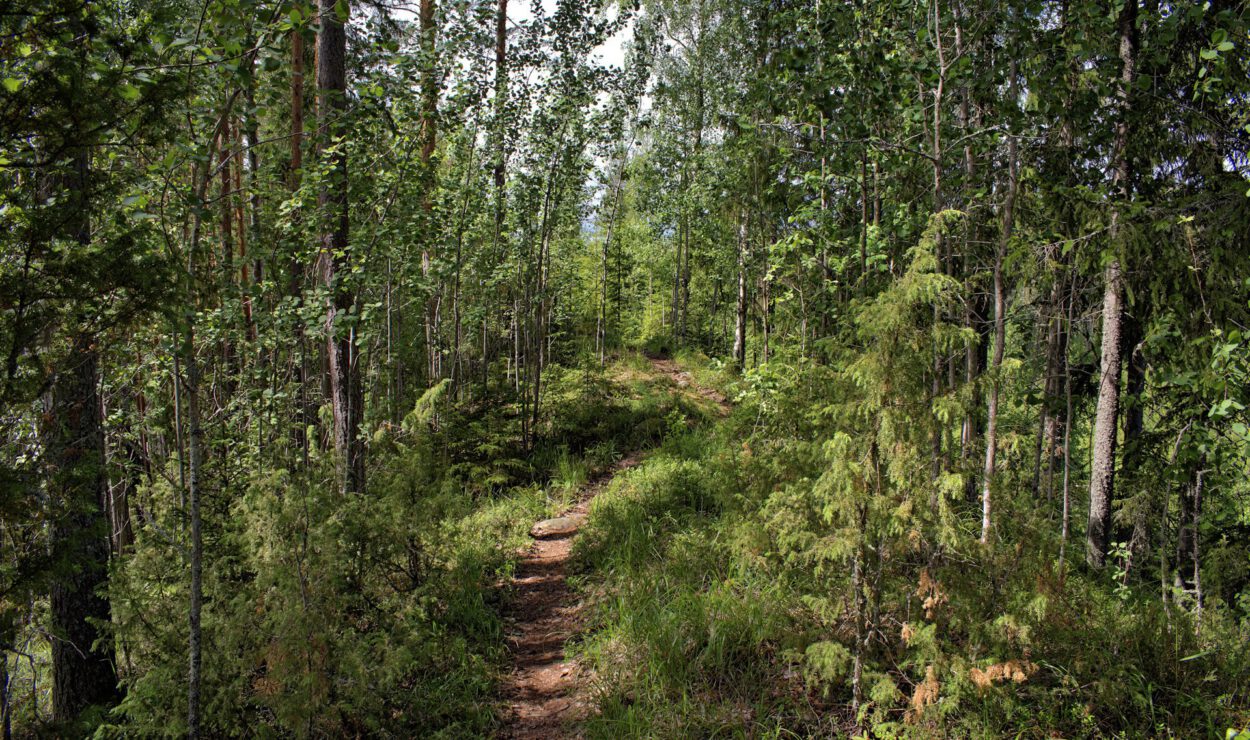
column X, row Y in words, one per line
column 832, row 177
column 376, row 614
column 333, row 615
column 720, row 571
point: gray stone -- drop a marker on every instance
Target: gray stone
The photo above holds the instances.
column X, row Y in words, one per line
column 561, row 525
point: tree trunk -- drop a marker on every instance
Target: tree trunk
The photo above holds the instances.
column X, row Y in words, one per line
column 6, row 719
column 1188, row 576
column 675, row 312
column 342, row 362
column 601, row 330
column 685, row 289
column 766, row 311
column 1067, row 430
column 974, row 307
column 1134, row 425
column 122, row 533
column 196, row 440
column 73, row 440
column 863, row 218
column 500, row 157
column 976, row 357
column 200, row 176
column 458, row 362
column 542, row 307
column 227, row 284
column 740, row 322
column 247, row 216
column 1102, row 466
column 304, row 413
column 1000, row 324
column 939, row 247
column 1059, row 322
column 251, row 127
column 1183, row 580
column 1056, row 352
column 1196, row 561
column 429, row 141
column 863, row 630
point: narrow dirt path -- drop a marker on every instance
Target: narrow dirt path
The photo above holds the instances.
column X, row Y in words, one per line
column 545, row 694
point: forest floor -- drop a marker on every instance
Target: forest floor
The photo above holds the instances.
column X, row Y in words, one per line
column 546, row 693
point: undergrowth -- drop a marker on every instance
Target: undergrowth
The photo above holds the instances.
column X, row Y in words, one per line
column 374, row 615
column 724, row 606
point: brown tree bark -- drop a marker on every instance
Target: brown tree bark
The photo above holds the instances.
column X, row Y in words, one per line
column 83, row 673
column 342, row 362
column 1103, row 442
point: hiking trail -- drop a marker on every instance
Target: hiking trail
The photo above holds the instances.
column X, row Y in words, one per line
column 545, row 694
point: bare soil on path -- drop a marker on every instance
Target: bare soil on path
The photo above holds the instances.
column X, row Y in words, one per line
column 546, row 693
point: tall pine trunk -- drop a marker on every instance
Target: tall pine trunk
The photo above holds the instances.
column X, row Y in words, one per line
column 83, row 672
column 429, row 141
column 342, row 365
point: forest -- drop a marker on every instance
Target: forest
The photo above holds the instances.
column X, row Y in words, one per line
column 625, row 368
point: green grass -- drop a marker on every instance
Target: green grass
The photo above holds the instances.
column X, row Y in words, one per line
column 702, row 625
column 688, row 637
